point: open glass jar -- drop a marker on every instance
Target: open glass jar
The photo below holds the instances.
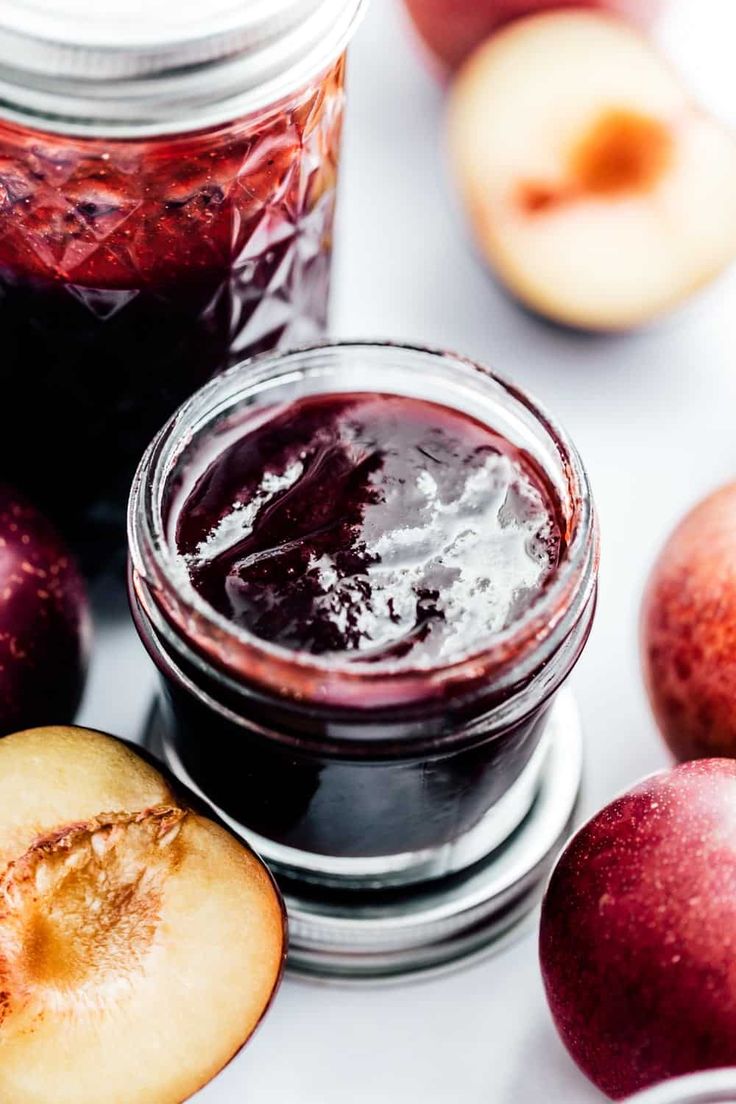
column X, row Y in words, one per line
column 350, row 774
column 167, row 190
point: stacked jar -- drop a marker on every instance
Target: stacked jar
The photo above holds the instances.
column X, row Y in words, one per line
column 383, row 720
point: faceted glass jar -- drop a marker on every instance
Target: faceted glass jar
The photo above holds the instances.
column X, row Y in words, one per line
column 132, row 269
column 350, row 773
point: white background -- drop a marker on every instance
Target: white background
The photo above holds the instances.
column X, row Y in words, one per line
column 654, row 416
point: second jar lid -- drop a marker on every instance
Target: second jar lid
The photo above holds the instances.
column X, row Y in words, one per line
column 708, row 1087
column 136, row 67
column 439, row 925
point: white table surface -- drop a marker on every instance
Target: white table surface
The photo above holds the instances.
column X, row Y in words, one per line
column 654, row 416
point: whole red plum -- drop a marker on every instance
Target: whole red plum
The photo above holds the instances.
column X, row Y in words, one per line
column 44, row 620
column 452, row 29
column 688, row 631
column 638, row 932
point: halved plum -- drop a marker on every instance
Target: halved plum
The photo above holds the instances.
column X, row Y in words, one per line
column 140, row 941
column 598, row 192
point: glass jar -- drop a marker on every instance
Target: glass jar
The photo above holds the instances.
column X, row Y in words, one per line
column 348, row 773
column 709, row 1087
column 167, row 191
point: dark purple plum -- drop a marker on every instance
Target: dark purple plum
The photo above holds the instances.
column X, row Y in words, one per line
column 44, row 620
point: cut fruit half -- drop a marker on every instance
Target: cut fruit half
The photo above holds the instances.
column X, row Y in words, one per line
column 139, row 948
column 598, row 192
column 54, row 776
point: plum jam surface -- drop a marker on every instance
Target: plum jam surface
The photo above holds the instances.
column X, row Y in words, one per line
column 131, row 271
column 370, row 527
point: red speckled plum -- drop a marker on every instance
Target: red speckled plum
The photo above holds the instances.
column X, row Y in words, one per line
column 689, row 631
column 44, row 621
column 638, row 932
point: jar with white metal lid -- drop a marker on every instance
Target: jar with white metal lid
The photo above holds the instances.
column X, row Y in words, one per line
column 167, row 189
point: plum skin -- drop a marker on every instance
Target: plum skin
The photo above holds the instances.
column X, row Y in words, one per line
column 688, row 632
column 44, row 620
column 638, row 932
column 451, row 29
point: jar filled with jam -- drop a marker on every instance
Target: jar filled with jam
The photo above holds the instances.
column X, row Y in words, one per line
column 167, row 190
column 364, row 572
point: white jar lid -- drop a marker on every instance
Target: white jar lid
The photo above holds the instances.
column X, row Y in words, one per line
column 708, row 1087
column 135, row 67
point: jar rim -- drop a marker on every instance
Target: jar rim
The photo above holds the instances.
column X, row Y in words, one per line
column 332, row 680
column 94, row 88
column 705, row 1087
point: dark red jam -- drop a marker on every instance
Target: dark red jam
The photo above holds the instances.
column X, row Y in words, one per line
column 371, row 527
column 131, row 271
column 381, row 536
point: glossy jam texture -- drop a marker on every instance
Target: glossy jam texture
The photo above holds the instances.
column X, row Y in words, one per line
column 132, row 271
column 370, row 527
